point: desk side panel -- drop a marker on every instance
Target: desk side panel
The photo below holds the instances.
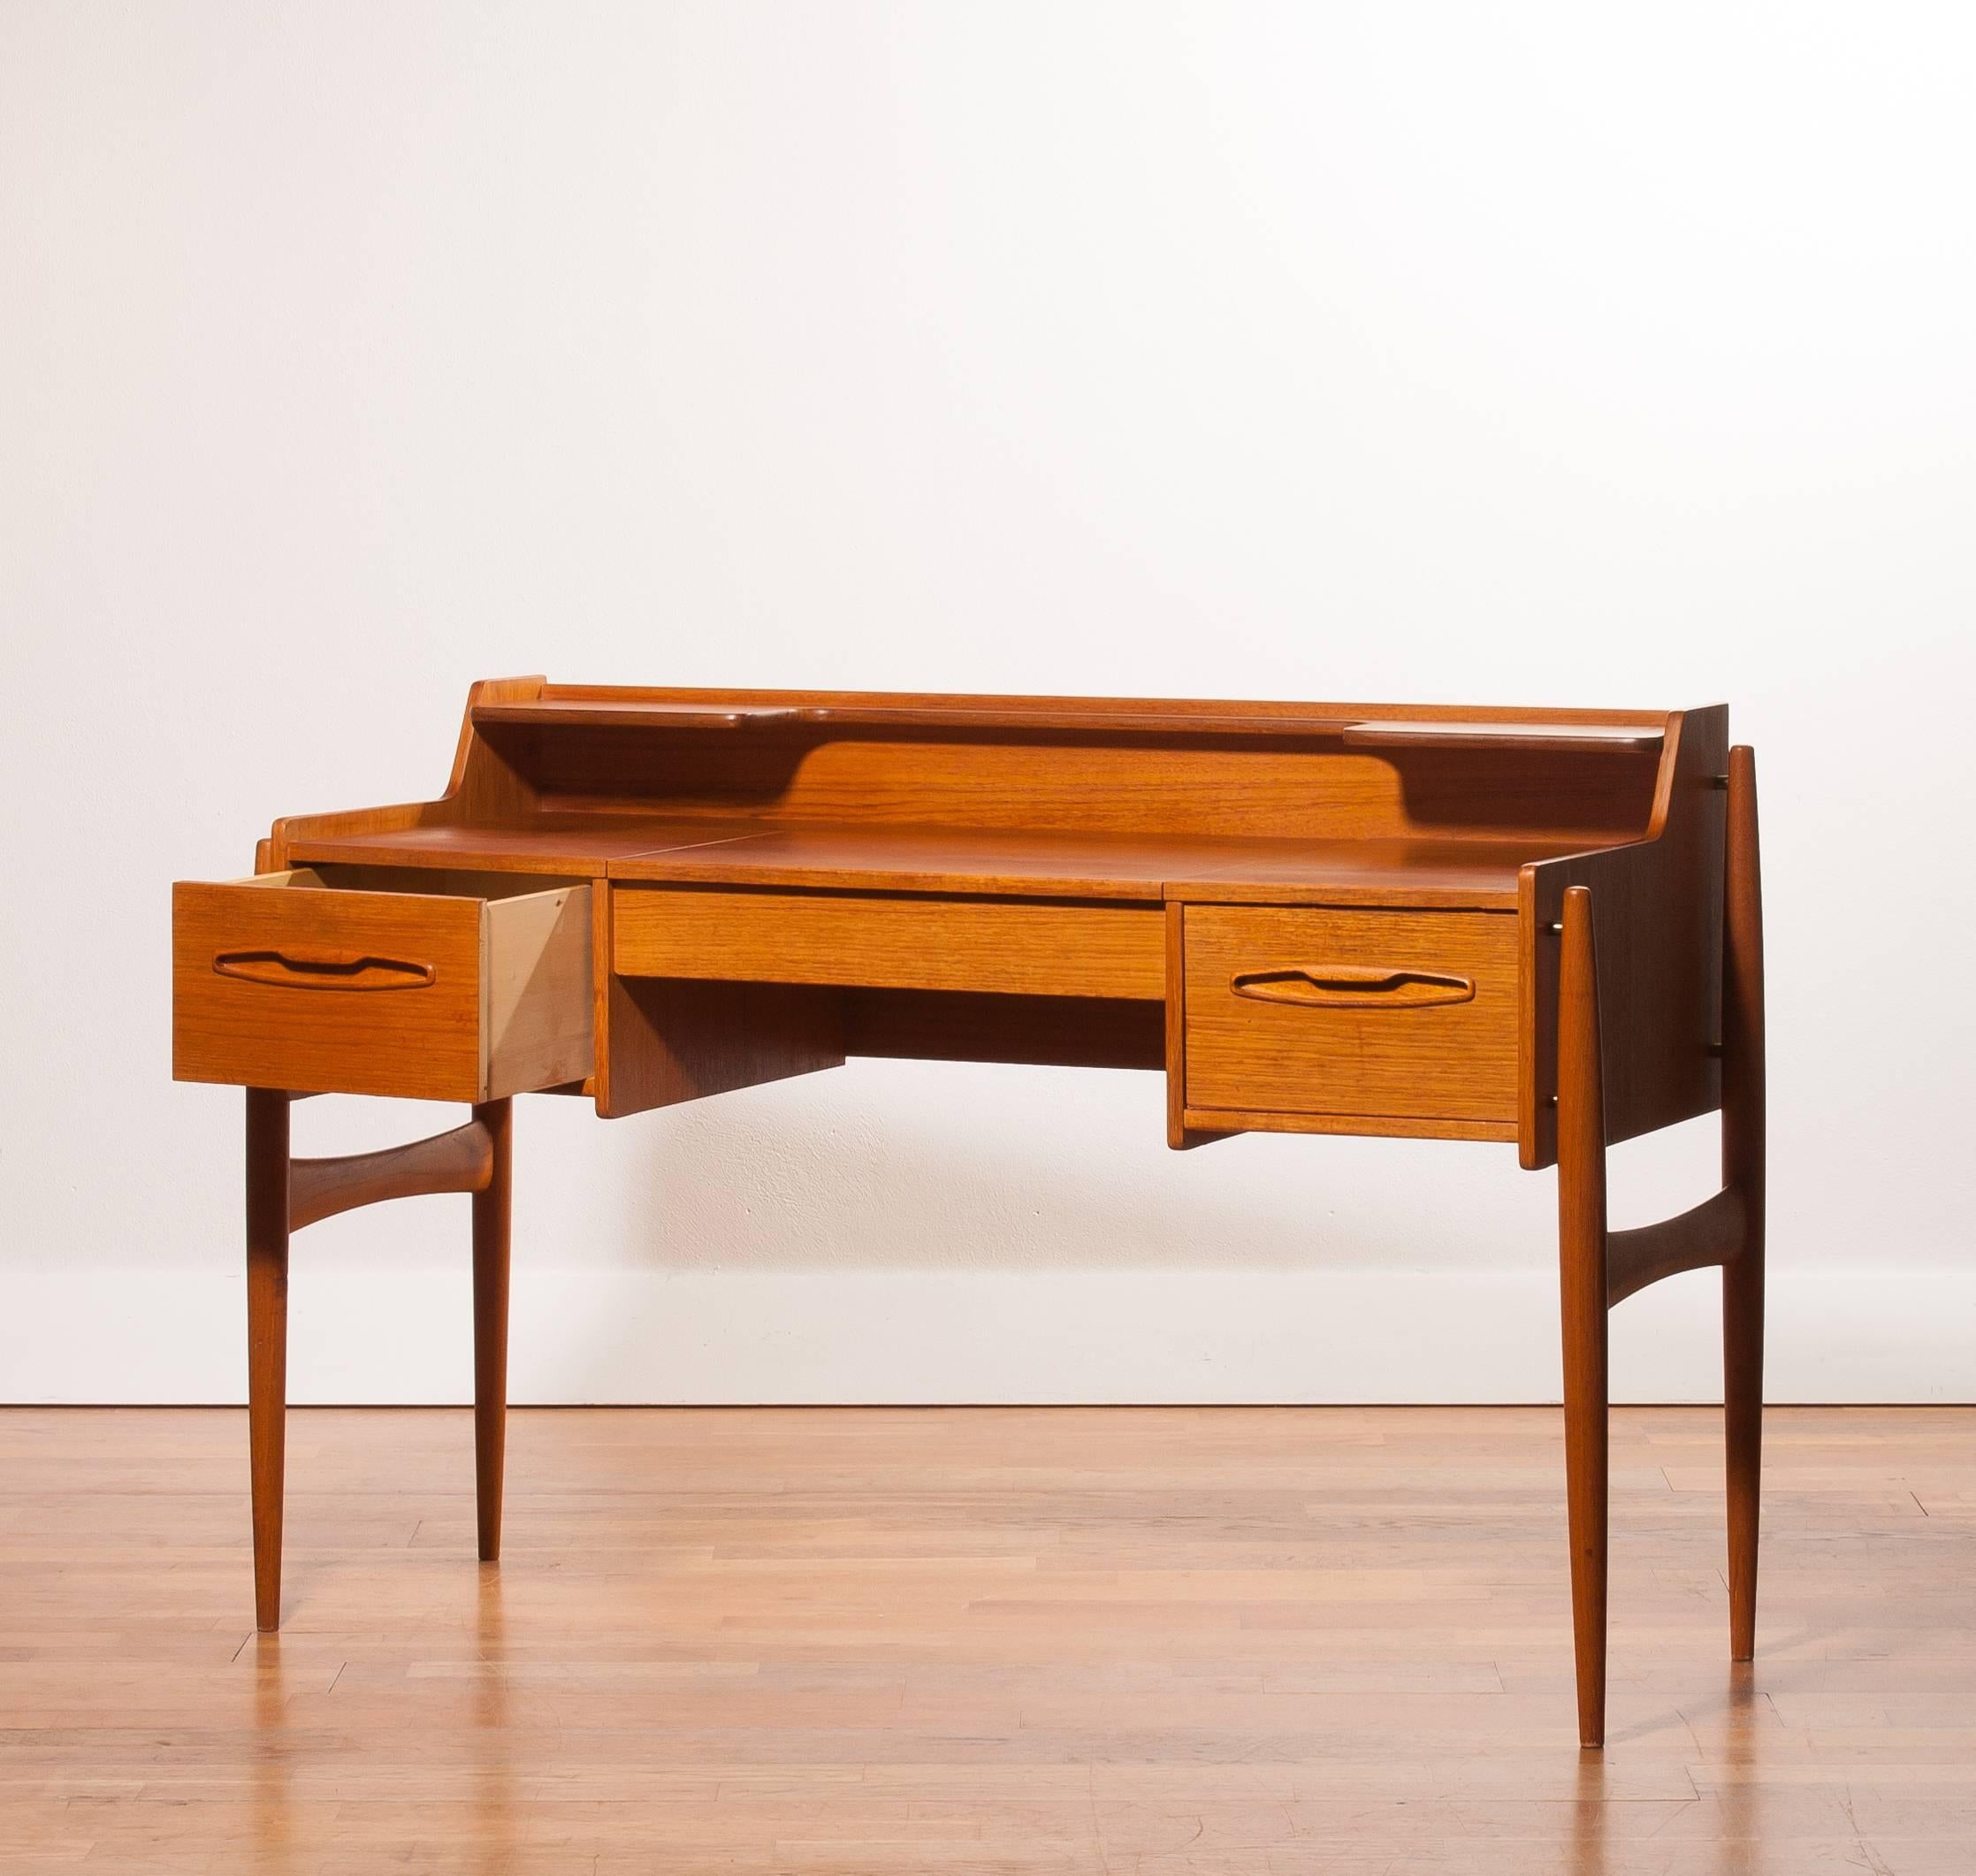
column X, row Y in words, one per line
column 1657, row 921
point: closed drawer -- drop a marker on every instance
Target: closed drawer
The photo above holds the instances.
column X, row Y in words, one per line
column 1396, row 1015
column 1036, row 948
column 290, row 981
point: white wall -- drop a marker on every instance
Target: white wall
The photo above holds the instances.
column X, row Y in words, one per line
column 1574, row 355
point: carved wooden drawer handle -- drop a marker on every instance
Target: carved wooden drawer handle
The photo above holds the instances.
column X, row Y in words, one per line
column 324, row 969
column 1353, row 987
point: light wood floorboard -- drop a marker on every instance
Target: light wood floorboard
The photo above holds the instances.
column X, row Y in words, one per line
column 1225, row 1642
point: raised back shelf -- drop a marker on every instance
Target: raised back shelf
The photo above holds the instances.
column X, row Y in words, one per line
column 1571, row 737
column 1548, row 781
column 1354, row 731
column 637, row 714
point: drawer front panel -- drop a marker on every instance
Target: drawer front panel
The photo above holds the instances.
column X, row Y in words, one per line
column 282, row 982
column 1398, row 1014
column 1031, row 948
column 362, row 993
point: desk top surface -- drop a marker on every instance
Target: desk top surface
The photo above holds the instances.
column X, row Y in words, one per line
column 1041, row 863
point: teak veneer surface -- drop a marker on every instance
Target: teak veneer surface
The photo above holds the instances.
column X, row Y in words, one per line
column 1394, row 733
column 1042, row 948
column 604, row 714
column 1170, row 787
column 1373, row 733
column 999, row 708
column 264, row 972
column 1018, row 862
column 1454, row 1060
column 1129, row 798
column 547, row 843
column 991, row 860
column 1031, row 863
column 1657, row 912
column 602, row 708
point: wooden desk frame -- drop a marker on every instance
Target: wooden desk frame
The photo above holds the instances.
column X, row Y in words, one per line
column 1543, row 927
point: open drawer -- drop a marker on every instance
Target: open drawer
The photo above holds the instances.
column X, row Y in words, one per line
column 299, row 980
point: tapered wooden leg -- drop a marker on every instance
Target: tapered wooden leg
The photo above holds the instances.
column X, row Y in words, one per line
column 1742, row 1169
column 1582, row 1284
column 267, row 1336
column 490, row 1213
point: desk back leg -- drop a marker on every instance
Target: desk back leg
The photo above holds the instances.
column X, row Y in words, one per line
column 267, row 1336
column 491, row 1206
column 1743, row 1172
column 1599, row 1268
column 1582, row 1289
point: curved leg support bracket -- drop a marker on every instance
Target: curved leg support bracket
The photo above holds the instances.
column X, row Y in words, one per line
column 461, row 1161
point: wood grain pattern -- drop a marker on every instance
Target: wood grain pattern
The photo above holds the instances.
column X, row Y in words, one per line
column 1599, row 1267
column 537, row 784
column 1743, row 1173
column 662, row 1040
column 1027, row 862
column 460, row 1161
column 1164, row 1642
column 267, row 1210
column 1174, row 786
column 1583, row 1288
column 562, row 844
column 630, row 713
column 423, row 1042
column 1657, row 905
column 496, row 996
column 634, row 715
column 1458, row 873
column 1024, row 862
column 677, row 1039
column 620, row 712
column 550, row 766
column 1469, row 874
column 1394, row 733
column 1220, row 1121
column 999, row 708
column 1180, row 1135
column 1441, row 1060
column 1035, row 947
column 492, row 1210
column 1707, row 1234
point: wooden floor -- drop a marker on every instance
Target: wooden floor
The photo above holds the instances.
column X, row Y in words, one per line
column 1227, row 1642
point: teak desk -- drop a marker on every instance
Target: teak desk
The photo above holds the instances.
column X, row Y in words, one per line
column 1526, row 925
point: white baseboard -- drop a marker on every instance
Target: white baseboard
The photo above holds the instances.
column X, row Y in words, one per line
column 622, row 1335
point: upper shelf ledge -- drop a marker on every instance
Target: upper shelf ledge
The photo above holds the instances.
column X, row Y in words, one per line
column 1392, row 732
column 1373, row 733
